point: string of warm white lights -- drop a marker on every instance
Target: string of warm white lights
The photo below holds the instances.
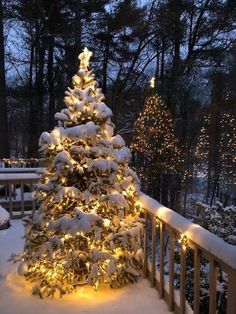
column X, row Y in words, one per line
column 21, row 161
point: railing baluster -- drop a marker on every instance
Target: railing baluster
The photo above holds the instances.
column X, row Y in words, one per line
column 145, row 244
column 171, row 272
column 10, row 200
column 213, row 278
column 14, row 191
column 153, row 265
column 231, row 299
column 5, row 192
column 22, row 199
column 182, row 278
column 32, row 200
column 162, row 255
column 196, row 301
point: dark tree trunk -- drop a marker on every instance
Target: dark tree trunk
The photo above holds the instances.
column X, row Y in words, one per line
column 157, row 61
column 165, row 190
column 36, row 118
column 4, row 136
column 78, row 30
column 173, row 191
column 157, row 187
column 31, row 117
column 162, row 60
column 105, row 64
column 40, row 86
column 214, row 191
column 175, row 70
column 51, row 106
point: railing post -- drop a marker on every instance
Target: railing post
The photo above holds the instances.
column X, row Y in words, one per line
column 145, row 244
column 10, row 201
column 153, row 265
column 6, row 192
column 14, row 191
column 22, row 199
column 196, row 302
column 171, row 272
column 162, row 259
column 231, row 299
column 182, row 278
column 213, row 279
column 32, row 199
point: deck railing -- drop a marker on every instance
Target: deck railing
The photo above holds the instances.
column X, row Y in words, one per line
column 161, row 223
column 204, row 245
column 17, row 205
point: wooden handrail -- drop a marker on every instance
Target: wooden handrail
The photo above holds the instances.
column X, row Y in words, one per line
column 202, row 242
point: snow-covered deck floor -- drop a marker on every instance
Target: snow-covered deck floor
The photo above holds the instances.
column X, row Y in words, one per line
column 15, row 292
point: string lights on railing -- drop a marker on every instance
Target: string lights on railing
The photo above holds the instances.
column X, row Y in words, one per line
column 183, row 241
column 157, row 221
column 20, row 161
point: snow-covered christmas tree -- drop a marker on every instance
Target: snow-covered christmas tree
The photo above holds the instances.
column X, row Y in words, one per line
column 87, row 229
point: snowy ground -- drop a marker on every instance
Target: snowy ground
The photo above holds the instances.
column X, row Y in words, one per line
column 15, row 292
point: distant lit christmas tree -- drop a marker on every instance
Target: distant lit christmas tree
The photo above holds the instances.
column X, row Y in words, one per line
column 228, row 149
column 155, row 140
column 216, row 148
column 201, row 153
column 87, row 229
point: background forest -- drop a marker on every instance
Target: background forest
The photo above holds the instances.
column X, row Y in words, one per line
column 189, row 46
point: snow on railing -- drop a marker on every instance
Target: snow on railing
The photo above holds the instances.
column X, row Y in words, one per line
column 204, row 245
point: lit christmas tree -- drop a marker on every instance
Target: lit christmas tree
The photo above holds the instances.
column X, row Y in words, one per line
column 154, row 139
column 216, row 149
column 202, row 149
column 228, row 149
column 87, row 229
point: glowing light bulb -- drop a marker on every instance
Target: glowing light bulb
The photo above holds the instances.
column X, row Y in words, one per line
column 152, row 82
column 106, row 222
column 96, row 284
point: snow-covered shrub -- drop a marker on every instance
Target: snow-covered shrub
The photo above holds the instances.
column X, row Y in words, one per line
column 218, row 219
column 4, row 218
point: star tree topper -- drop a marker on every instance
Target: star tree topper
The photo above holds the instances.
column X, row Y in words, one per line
column 84, row 58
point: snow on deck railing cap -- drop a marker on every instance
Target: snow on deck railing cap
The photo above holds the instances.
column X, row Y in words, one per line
column 202, row 237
